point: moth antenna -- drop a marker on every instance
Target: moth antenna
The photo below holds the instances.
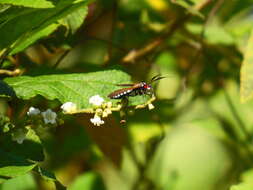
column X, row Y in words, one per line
column 154, row 77
column 157, row 77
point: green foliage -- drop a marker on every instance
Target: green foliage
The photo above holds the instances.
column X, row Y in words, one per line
column 87, row 181
column 76, row 88
column 172, row 166
column 242, row 187
column 74, row 20
column 13, row 166
column 44, row 22
column 22, row 182
column 196, row 134
column 247, row 182
column 18, row 159
column 30, row 3
column 246, row 70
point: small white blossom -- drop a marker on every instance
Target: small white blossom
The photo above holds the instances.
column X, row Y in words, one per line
column 33, row 111
column 96, row 100
column 49, row 116
column 151, row 106
column 69, row 107
column 19, row 135
column 97, row 121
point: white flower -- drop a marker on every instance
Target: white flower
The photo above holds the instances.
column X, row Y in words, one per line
column 96, row 100
column 19, row 135
column 33, row 111
column 49, row 116
column 69, row 107
column 151, row 106
column 97, row 121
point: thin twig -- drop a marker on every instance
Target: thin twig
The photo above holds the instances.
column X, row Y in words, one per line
column 3, row 55
column 117, row 108
column 200, row 49
column 136, row 54
column 10, row 73
column 114, row 21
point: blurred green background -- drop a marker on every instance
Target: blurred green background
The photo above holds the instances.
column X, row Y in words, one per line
column 198, row 137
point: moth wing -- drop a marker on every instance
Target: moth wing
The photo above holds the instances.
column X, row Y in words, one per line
column 122, row 90
column 125, row 84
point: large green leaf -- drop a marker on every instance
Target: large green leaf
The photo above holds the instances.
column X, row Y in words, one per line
column 18, row 159
column 30, row 149
column 246, row 87
column 76, row 88
column 23, row 182
column 40, row 25
column 33, row 36
column 74, row 20
column 29, row 3
column 13, row 166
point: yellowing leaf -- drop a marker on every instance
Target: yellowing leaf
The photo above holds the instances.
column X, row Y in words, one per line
column 159, row 5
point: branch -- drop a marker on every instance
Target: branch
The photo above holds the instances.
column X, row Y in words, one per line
column 136, row 54
column 11, row 73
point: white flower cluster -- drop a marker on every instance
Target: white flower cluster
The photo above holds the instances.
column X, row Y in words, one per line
column 49, row 116
column 97, row 121
column 102, row 109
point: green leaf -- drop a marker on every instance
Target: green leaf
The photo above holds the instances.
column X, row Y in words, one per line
column 246, row 86
column 242, row 186
column 13, row 166
column 18, row 159
column 74, row 20
column 41, row 25
column 31, row 37
column 23, row 182
column 30, row 149
column 29, row 3
column 6, row 90
column 76, row 88
column 87, row 181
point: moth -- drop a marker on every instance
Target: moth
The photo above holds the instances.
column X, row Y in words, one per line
column 134, row 89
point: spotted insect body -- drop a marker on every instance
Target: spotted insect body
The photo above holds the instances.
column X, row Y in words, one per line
column 135, row 89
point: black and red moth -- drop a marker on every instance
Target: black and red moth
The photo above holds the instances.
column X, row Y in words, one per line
column 134, row 89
